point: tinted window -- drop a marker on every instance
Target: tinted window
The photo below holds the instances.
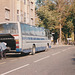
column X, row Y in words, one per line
column 32, row 30
column 9, row 28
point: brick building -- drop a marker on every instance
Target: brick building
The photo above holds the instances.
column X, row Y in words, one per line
column 17, row 10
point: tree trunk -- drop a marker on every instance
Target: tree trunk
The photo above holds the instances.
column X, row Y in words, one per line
column 60, row 34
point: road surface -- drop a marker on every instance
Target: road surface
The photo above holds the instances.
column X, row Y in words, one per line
column 55, row 61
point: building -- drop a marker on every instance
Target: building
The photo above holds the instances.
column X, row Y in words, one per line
column 17, row 10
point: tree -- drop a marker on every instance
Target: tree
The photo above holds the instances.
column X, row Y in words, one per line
column 63, row 8
column 39, row 3
column 73, row 15
column 55, row 16
column 48, row 15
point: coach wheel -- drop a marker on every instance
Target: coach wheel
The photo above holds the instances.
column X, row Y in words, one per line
column 22, row 53
column 33, row 50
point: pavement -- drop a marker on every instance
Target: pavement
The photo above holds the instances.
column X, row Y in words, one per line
column 53, row 46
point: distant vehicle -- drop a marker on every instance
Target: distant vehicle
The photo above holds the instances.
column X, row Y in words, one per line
column 24, row 38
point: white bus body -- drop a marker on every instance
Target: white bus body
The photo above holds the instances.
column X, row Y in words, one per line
column 25, row 38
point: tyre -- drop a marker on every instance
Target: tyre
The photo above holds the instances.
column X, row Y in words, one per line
column 22, row 53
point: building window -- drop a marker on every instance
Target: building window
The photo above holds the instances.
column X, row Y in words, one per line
column 31, row 21
column 31, row 5
column 24, row 1
column 31, row 12
column 17, row 11
column 17, row 17
column 24, row 17
column 7, row 14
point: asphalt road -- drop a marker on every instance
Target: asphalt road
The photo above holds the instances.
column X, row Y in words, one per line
column 55, row 61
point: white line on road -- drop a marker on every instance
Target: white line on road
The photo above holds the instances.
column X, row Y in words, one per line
column 41, row 59
column 2, row 63
column 56, row 53
column 64, row 50
column 15, row 69
column 13, row 60
column 69, row 48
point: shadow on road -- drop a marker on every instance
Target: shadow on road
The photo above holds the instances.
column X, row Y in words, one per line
column 16, row 55
column 73, row 59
